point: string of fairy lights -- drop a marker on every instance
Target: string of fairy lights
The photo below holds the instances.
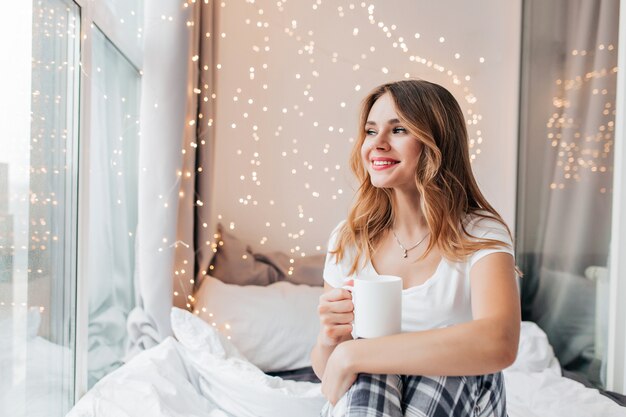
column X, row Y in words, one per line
column 584, row 144
column 273, row 21
column 56, row 35
column 39, row 231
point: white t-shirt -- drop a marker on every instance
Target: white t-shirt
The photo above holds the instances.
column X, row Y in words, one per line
column 444, row 299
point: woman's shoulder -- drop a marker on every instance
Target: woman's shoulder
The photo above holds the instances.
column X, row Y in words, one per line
column 481, row 223
column 334, row 235
column 335, row 272
column 339, row 226
column 483, row 227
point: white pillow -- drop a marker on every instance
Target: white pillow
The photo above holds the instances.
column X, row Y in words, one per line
column 235, row 385
column 275, row 327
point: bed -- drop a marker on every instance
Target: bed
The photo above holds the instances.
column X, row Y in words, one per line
column 201, row 373
column 243, row 351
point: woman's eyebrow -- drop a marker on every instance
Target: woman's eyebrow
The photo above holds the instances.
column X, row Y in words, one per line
column 389, row 122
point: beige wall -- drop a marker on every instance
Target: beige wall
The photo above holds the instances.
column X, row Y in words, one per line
column 317, row 62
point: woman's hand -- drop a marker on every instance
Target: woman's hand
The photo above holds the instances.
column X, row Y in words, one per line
column 336, row 315
column 339, row 375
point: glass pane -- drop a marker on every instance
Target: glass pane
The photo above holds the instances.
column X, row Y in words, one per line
column 112, row 219
column 566, row 176
column 37, row 223
column 128, row 18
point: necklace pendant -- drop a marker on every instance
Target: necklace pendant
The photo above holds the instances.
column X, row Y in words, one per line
column 405, row 254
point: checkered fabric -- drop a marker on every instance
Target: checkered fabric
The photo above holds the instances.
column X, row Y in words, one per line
column 422, row 396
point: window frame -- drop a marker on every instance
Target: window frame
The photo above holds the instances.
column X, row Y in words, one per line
column 71, row 225
column 616, row 355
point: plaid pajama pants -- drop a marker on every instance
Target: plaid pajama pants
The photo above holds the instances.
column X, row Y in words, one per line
column 421, row 396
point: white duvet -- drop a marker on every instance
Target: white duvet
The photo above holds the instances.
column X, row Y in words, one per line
column 201, row 374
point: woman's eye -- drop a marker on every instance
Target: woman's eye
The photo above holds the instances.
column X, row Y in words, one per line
column 399, row 130
column 370, row 132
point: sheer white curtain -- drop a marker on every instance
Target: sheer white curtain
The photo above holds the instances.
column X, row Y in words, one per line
column 167, row 198
column 114, row 145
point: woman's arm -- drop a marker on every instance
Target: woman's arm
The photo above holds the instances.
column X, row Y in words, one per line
column 335, row 311
column 486, row 344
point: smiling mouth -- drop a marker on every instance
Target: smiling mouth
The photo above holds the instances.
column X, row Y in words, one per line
column 384, row 163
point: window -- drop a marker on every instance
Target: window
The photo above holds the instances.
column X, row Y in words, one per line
column 566, row 180
column 38, row 211
column 68, row 197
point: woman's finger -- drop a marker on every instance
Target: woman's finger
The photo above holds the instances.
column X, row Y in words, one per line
column 339, row 319
column 344, row 306
column 336, row 294
column 335, row 307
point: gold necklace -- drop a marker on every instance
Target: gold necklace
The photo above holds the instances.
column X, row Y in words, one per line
column 412, row 247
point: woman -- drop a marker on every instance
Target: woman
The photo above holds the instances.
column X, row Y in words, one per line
column 419, row 215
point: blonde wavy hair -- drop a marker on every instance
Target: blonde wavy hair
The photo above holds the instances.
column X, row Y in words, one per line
column 443, row 177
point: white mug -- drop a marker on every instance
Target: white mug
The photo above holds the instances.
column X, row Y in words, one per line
column 377, row 303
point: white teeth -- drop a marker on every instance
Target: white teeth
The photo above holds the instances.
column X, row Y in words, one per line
column 379, row 163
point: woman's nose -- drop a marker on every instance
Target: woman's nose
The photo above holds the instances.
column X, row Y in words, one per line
column 381, row 142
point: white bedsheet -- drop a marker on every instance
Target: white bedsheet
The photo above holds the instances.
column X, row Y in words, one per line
column 157, row 382
column 187, row 379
